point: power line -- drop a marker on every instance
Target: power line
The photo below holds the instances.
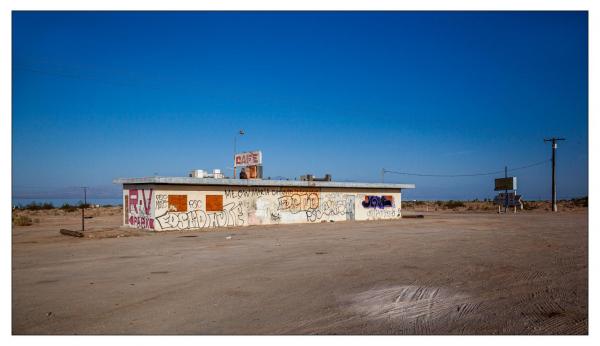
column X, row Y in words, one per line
column 531, row 165
column 466, row 175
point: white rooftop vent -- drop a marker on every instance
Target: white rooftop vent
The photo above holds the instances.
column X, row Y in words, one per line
column 217, row 174
column 199, row 173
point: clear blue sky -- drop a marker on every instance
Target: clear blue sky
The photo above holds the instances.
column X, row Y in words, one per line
column 101, row 95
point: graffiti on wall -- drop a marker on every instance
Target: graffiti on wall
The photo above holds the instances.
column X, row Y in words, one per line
column 382, row 213
column 138, row 208
column 249, row 205
column 161, row 201
column 378, row 202
column 298, row 200
column 195, row 204
column 143, row 222
column 251, row 192
column 139, row 203
column 231, row 215
column 331, row 205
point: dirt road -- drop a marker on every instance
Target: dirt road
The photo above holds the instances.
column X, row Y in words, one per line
column 445, row 274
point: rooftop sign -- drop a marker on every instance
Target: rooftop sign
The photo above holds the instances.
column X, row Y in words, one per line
column 250, row 158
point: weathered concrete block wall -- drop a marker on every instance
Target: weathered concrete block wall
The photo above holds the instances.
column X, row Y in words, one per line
column 183, row 207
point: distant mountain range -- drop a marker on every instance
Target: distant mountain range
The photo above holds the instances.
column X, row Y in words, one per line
column 103, row 191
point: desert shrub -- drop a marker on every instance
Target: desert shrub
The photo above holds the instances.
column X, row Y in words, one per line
column 68, row 208
column 36, row 206
column 529, row 205
column 107, row 206
column 580, row 202
column 439, row 203
column 36, row 220
column 454, row 204
column 411, row 204
column 22, row 221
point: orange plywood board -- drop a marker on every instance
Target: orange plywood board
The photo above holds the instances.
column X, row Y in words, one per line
column 214, row 202
column 178, row 203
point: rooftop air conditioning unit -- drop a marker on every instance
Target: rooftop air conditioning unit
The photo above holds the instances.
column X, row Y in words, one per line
column 217, row 174
column 199, row 173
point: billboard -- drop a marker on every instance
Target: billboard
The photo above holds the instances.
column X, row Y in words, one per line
column 509, row 183
column 250, row 158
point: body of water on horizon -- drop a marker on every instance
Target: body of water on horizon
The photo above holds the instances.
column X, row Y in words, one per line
column 57, row 202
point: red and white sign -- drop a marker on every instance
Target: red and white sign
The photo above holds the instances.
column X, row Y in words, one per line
column 250, row 158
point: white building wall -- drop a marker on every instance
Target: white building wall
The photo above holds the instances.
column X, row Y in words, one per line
column 185, row 207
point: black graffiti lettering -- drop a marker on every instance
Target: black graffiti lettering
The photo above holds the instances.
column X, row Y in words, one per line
column 379, row 202
column 232, row 215
column 329, row 207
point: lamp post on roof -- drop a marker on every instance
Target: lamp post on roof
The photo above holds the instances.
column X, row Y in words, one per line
column 241, row 133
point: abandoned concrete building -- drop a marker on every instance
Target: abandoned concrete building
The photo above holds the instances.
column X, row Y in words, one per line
column 182, row 203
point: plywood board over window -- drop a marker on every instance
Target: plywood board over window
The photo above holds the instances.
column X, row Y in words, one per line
column 178, row 203
column 214, row 202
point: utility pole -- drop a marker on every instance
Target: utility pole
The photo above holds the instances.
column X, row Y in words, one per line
column 241, row 133
column 83, row 208
column 505, row 191
column 554, row 146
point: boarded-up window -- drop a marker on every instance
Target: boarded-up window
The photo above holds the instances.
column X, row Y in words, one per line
column 178, row 203
column 214, row 202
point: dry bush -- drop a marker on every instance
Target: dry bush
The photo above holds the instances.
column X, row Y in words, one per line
column 454, row 204
column 22, row 220
column 68, row 208
column 580, row 202
column 529, row 205
column 35, row 206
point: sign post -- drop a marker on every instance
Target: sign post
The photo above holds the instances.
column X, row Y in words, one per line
column 506, row 191
column 507, row 199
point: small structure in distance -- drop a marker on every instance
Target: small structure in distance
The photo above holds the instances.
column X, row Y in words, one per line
column 507, row 199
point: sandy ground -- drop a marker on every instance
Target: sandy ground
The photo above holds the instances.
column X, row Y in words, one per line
column 449, row 273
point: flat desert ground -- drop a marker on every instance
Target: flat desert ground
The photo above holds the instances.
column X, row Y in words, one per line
column 449, row 273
